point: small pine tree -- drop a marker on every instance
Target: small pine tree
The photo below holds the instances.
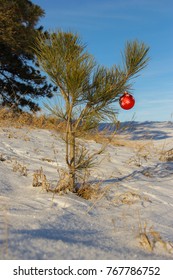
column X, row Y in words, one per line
column 89, row 90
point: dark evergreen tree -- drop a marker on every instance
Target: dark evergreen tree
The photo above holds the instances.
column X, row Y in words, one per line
column 21, row 82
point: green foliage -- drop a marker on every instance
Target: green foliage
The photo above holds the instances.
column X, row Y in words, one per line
column 20, row 81
column 135, row 57
column 64, row 58
column 89, row 90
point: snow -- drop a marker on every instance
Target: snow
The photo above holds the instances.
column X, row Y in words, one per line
column 137, row 205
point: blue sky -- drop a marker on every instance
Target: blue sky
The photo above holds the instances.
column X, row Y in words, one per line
column 106, row 25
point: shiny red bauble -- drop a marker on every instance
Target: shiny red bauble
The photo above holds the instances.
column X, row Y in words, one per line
column 127, row 101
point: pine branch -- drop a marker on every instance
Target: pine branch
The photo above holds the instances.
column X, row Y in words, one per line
column 135, row 58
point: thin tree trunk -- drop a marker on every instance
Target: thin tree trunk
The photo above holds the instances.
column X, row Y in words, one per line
column 72, row 161
column 70, row 149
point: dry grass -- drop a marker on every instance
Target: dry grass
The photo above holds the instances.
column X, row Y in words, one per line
column 40, row 180
column 151, row 240
column 129, row 198
column 104, row 137
column 18, row 167
column 18, row 120
column 143, row 152
column 2, row 157
column 166, row 155
column 61, row 187
column 64, row 183
column 90, row 191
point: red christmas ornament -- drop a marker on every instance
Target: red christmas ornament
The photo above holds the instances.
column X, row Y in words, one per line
column 127, row 101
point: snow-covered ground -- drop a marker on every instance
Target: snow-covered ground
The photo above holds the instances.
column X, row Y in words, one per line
column 132, row 220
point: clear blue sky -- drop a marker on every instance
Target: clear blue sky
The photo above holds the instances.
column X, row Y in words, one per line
column 105, row 26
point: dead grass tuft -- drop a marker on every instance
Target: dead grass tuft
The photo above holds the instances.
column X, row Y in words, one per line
column 40, row 180
column 166, row 155
column 17, row 167
column 2, row 158
column 90, row 191
column 63, row 185
column 151, row 240
column 87, row 191
column 143, row 152
column 129, row 198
